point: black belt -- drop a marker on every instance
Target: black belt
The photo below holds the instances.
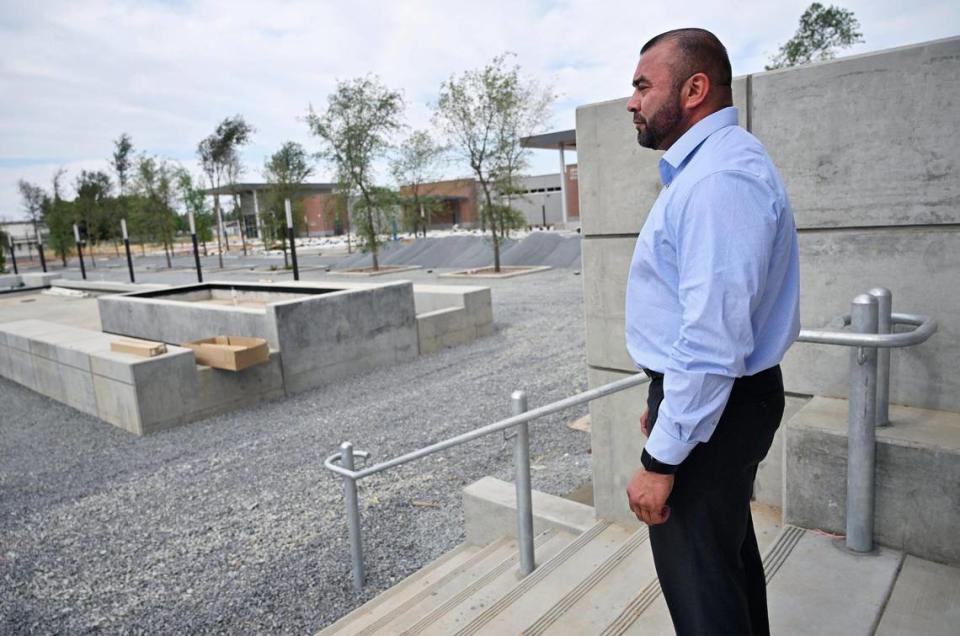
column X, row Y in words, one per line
column 761, row 383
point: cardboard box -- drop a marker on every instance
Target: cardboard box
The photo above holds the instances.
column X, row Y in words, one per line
column 143, row 348
column 232, row 353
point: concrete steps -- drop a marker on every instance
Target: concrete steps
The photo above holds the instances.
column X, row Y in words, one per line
column 443, row 584
column 604, row 582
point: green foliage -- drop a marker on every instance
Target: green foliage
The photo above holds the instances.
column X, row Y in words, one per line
column 97, row 213
column 154, row 194
column 285, row 171
column 415, row 167
column 355, row 131
column 374, row 215
column 3, row 248
column 822, row 29
column 59, row 217
column 194, row 200
column 485, row 112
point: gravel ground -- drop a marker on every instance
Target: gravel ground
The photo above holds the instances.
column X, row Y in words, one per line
column 233, row 525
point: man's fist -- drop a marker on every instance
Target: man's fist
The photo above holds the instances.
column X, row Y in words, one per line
column 647, row 493
column 644, row 422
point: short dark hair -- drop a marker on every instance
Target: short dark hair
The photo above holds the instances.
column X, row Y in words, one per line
column 700, row 52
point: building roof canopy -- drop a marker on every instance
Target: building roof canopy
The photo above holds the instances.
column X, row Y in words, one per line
column 551, row 140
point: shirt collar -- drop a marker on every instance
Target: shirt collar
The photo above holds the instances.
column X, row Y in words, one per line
column 683, row 147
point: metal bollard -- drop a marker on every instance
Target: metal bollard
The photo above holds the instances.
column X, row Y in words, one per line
column 353, row 516
column 521, row 463
column 884, row 325
column 861, row 431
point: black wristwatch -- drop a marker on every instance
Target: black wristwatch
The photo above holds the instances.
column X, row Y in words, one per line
column 653, row 465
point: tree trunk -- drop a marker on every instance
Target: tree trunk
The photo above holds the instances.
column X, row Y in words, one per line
column 243, row 236
column 116, row 247
column 216, row 207
column 167, row 248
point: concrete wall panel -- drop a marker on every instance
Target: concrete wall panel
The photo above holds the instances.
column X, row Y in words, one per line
column 618, row 179
column 920, row 266
column 606, row 264
column 617, row 442
column 866, row 140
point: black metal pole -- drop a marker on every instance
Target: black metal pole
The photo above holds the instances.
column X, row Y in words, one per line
column 126, row 246
column 43, row 259
column 83, row 269
column 293, row 254
column 293, row 244
column 13, row 257
column 196, row 257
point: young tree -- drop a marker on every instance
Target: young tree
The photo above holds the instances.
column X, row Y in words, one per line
column 59, row 217
column 822, row 29
column 285, row 171
column 216, row 152
column 93, row 191
column 34, row 199
column 122, row 161
column 415, row 167
column 155, row 188
column 233, row 172
column 484, row 113
column 194, row 200
column 355, row 131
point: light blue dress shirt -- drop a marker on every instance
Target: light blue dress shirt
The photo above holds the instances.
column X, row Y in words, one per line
column 714, row 286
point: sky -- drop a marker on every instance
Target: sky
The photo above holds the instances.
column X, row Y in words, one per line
column 75, row 75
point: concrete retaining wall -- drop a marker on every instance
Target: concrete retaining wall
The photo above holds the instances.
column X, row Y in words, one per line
column 865, row 145
column 451, row 315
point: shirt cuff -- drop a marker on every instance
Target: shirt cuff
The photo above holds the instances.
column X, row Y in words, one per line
column 666, row 448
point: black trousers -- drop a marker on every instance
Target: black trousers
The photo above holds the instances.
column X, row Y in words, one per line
column 706, row 553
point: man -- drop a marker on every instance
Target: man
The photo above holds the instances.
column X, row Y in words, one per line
column 712, row 306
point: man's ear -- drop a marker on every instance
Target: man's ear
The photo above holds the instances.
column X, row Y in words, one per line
column 695, row 90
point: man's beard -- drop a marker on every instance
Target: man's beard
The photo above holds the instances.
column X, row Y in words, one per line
column 661, row 125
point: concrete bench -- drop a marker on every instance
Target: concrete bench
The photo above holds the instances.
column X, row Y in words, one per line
column 140, row 395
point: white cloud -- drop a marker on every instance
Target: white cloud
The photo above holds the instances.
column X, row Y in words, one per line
column 74, row 75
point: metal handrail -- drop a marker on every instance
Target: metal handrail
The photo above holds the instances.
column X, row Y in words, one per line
column 520, row 420
column 926, row 327
column 873, row 320
column 469, row 436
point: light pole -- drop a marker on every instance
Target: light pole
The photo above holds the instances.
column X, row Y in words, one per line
column 126, row 247
column 76, row 236
column 43, row 259
column 196, row 247
column 293, row 245
column 13, row 254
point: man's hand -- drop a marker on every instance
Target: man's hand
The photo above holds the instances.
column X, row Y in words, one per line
column 647, row 493
column 645, row 422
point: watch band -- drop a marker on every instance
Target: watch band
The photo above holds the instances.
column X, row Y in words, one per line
column 654, row 465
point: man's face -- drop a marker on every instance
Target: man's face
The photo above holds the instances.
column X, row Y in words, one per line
column 655, row 103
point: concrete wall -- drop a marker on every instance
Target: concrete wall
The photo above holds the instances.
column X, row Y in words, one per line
column 451, row 315
column 866, row 147
column 918, row 470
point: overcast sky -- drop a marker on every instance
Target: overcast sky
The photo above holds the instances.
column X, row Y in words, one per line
column 75, row 75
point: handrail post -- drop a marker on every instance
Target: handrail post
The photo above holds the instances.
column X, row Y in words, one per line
column 353, row 516
column 521, row 462
column 884, row 325
column 861, row 429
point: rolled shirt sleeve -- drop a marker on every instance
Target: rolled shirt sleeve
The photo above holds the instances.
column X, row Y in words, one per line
column 724, row 235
